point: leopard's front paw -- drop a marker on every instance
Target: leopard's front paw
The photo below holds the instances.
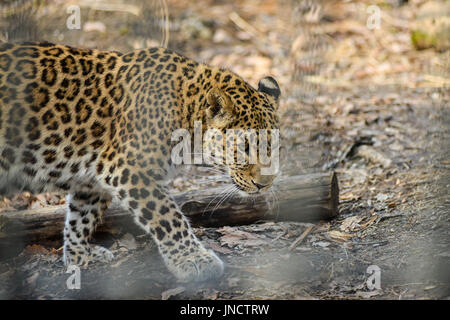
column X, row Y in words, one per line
column 82, row 255
column 200, row 265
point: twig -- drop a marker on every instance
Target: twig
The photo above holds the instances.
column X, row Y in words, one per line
column 165, row 40
column 106, row 6
column 439, row 81
column 380, row 243
column 300, row 239
column 244, row 25
column 279, row 236
column 387, row 216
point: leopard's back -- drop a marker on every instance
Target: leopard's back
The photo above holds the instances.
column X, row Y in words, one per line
column 56, row 106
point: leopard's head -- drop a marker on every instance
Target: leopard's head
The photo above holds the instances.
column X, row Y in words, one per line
column 248, row 116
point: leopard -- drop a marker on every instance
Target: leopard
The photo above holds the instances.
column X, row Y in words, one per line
column 96, row 125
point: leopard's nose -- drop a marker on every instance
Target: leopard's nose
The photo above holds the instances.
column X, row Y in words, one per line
column 260, row 181
column 259, row 186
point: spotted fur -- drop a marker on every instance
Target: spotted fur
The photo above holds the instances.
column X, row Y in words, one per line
column 98, row 126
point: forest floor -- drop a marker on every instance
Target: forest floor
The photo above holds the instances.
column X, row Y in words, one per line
column 358, row 100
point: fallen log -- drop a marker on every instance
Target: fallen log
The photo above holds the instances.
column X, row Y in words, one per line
column 303, row 198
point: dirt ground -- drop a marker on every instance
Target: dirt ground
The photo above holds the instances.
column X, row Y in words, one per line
column 365, row 102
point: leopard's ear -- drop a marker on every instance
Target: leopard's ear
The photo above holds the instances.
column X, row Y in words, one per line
column 219, row 112
column 269, row 85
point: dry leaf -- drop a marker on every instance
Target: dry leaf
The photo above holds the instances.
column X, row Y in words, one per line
column 374, row 156
column 351, row 224
column 218, row 248
column 36, row 249
column 233, row 237
column 368, row 223
column 368, row 294
column 338, row 235
column 166, row 295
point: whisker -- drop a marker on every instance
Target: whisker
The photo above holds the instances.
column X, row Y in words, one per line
column 270, row 202
column 212, row 178
column 217, row 196
column 222, row 193
column 227, row 196
column 277, row 202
